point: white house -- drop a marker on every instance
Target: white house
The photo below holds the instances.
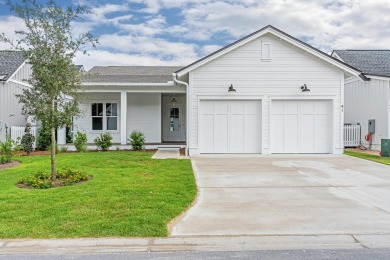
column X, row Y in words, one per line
column 14, row 73
column 265, row 93
column 369, row 99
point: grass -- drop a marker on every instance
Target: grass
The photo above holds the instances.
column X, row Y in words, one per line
column 370, row 157
column 130, row 195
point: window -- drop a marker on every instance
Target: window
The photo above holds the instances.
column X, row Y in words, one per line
column 112, row 116
column 107, row 117
column 266, row 51
column 97, row 116
column 174, row 120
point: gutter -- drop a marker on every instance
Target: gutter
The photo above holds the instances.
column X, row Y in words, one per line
column 187, row 108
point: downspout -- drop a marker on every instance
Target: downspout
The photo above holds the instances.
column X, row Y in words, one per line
column 187, row 108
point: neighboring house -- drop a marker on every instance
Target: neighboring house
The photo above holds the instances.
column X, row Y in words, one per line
column 244, row 98
column 14, row 73
column 368, row 99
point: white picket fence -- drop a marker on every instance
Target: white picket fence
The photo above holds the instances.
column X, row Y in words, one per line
column 18, row 132
column 352, row 136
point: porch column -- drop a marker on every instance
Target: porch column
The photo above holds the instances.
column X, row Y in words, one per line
column 123, row 117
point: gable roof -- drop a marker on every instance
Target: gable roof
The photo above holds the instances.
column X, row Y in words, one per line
column 370, row 62
column 129, row 74
column 10, row 61
column 278, row 33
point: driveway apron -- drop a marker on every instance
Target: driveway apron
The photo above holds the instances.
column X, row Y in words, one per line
column 287, row 195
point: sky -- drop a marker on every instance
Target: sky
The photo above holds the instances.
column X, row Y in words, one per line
column 178, row 32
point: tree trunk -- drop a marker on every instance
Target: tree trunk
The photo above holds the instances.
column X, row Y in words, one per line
column 53, row 145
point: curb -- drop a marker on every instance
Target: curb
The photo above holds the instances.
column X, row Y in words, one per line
column 223, row 243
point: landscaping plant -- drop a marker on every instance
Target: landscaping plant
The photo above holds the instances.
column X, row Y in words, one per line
column 65, row 177
column 6, row 150
column 27, row 140
column 137, row 140
column 80, row 141
column 104, row 142
column 43, row 139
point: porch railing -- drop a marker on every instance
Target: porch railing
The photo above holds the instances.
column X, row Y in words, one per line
column 352, row 135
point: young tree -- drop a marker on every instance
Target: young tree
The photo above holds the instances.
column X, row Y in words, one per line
column 50, row 47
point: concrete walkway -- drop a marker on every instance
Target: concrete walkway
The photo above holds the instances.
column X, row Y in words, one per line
column 288, row 195
column 168, row 153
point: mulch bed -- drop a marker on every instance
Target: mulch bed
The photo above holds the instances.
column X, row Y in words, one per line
column 57, row 184
column 9, row 165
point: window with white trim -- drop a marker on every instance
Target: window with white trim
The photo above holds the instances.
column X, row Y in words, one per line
column 105, row 119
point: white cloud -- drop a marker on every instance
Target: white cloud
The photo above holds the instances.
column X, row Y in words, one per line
column 8, row 26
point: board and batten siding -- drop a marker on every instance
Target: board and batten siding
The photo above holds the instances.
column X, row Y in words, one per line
column 143, row 113
column 278, row 78
column 10, row 109
column 366, row 100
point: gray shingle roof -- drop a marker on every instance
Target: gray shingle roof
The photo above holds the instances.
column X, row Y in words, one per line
column 130, row 74
column 371, row 62
column 10, row 61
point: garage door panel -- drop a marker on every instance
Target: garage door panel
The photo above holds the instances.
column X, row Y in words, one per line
column 236, row 126
column 208, row 136
column 221, row 108
column 303, row 126
column 291, row 107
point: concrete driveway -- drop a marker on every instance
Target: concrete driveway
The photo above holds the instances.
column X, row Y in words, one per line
column 287, row 195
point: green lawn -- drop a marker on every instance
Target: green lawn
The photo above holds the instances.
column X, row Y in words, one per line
column 130, row 195
column 370, row 157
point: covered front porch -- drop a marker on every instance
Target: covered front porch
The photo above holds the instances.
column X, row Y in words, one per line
column 158, row 112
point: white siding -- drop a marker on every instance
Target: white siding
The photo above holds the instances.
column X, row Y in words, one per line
column 144, row 114
column 24, row 73
column 84, row 123
column 282, row 76
column 10, row 109
column 366, row 100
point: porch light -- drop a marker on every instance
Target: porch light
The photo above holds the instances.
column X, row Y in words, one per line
column 173, row 101
column 231, row 89
column 304, row 88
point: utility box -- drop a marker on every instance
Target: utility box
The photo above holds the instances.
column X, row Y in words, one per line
column 371, row 126
column 385, row 147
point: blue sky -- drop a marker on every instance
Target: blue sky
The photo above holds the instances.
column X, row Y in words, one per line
column 178, row 32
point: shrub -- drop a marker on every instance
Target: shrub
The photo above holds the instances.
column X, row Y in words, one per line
column 44, row 138
column 69, row 135
column 104, row 141
column 65, row 177
column 6, row 150
column 137, row 140
column 27, row 140
column 63, row 149
column 80, row 141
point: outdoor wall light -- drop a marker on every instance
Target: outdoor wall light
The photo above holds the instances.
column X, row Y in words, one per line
column 304, row 88
column 173, row 101
column 231, row 89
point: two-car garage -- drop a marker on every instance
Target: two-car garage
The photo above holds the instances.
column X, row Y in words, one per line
column 235, row 126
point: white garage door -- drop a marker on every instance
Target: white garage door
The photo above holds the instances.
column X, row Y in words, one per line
column 303, row 126
column 230, row 126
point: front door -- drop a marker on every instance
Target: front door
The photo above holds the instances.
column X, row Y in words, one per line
column 173, row 120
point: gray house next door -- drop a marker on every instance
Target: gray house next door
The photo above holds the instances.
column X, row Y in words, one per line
column 173, row 118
